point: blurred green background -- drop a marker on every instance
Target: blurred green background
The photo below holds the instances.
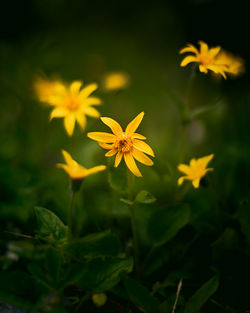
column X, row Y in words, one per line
column 80, row 40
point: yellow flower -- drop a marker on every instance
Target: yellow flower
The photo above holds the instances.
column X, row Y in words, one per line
column 77, row 171
column 128, row 144
column 195, row 171
column 213, row 59
column 115, row 81
column 47, row 88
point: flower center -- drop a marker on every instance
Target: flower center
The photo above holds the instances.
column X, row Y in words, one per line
column 123, row 143
column 72, row 103
column 206, row 59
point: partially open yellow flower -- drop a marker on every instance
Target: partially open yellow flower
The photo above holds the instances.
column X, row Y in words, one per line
column 128, row 144
column 70, row 102
column 213, row 59
column 77, row 171
column 195, row 170
column 115, row 81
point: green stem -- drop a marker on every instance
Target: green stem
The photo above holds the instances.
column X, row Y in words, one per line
column 83, row 299
column 133, row 221
column 70, row 214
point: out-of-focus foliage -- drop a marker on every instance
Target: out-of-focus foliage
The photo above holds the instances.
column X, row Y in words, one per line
column 200, row 236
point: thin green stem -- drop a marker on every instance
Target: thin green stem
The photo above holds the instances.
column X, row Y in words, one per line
column 70, row 214
column 133, row 221
column 83, row 299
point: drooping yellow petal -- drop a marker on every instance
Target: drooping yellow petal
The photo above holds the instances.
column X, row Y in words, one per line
column 189, row 48
column 85, row 92
column 90, row 111
column 141, row 157
column 184, row 168
column 138, row 136
column 143, row 146
column 181, row 180
column 69, row 123
column 118, row 158
column 202, row 69
column 102, row 137
column 96, row 169
column 58, row 112
column 111, row 153
column 106, row 145
column 130, row 162
column 188, row 60
column 75, row 87
column 196, row 182
column 113, row 125
column 134, row 124
column 81, row 119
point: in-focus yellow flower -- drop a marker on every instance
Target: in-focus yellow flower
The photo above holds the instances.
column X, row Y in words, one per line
column 128, row 144
column 115, row 81
column 195, row 170
column 213, row 59
column 70, row 102
column 77, row 171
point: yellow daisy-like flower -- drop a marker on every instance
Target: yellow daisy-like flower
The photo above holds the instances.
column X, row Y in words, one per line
column 195, row 170
column 70, row 102
column 115, row 81
column 77, row 171
column 213, row 59
column 128, row 144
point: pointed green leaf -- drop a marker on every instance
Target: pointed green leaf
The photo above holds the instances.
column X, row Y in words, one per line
column 145, row 196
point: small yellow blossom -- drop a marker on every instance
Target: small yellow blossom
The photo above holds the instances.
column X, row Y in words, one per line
column 70, row 102
column 213, row 59
column 195, row 170
column 115, row 81
column 128, row 144
column 77, row 171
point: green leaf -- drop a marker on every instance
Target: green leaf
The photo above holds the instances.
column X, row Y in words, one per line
column 145, row 196
column 53, row 264
column 200, row 297
column 95, row 246
column 166, row 223
column 105, row 274
column 117, row 178
column 50, row 227
column 73, row 274
column 140, row 295
column 39, row 275
column 126, row 201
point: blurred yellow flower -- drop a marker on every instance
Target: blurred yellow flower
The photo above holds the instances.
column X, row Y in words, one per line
column 195, row 170
column 213, row 59
column 128, row 144
column 77, row 171
column 115, row 81
column 70, row 102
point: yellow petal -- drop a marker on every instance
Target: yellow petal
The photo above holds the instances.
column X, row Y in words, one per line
column 203, row 69
column 133, row 125
column 181, row 180
column 92, row 101
column 193, row 163
column 113, row 125
column 69, row 123
column 205, row 160
column 138, row 136
column 141, row 157
column 96, row 169
column 58, row 112
column 130, row 162
column 102, row 137
column 68, row 159
column 142, row 146
column 196, row 182
column 203, row 47
column 214, row 51
column 184, row 168
column 85, row 92
column 118, row 158
column 111, row 153
column 75, row 87
column 90, row 111
column 189, row 48
column 188, row 60
column 81, row 119
column 218, row 69
column 105, row 145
